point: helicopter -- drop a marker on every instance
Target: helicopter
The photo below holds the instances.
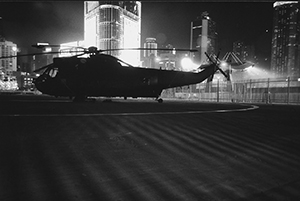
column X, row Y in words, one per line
column 95, row 74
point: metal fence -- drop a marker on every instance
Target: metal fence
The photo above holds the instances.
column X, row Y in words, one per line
column 271, row 90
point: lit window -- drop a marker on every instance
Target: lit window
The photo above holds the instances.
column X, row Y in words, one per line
column 53, row 72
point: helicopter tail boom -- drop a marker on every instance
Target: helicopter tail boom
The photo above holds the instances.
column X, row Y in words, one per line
column 186, row 78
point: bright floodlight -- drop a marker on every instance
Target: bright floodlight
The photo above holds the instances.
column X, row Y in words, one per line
column 187, row 64
column 223, row 64
column 14, row 48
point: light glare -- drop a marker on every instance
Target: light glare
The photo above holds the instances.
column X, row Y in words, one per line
column 187, row 64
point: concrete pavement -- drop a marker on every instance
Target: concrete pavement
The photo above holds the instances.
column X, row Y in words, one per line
column 53, row 149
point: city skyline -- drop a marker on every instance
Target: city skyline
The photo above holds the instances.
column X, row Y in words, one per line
column 59, row 22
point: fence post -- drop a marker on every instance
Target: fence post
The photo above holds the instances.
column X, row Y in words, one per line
column 218, row 87
column 233, row 95
column 245, row 91
column 209, row 90
column 190, row 96
column 199, row 85
column 267, row 97
column 250, row 92
column 288, row 90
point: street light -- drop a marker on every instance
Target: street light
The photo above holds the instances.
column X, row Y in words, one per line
column 14, row 48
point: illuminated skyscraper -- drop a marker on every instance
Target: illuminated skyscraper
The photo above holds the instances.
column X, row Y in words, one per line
column 9, row 65
column 285, row 58
column 7, row 48
column 151, row 53
column 243, row 52
column 114, row 25
column 151, row 44
column 203, row 37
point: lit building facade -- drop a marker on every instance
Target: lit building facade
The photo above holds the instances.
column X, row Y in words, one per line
column 152, row 45
column 150, row 54
column 203, row 37
column 114, row 25
column 9, row 65
column 244, row 52
column 237, row 48
column 168, row 59
column 285, row 56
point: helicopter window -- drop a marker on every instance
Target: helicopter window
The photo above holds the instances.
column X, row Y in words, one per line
column 53, row 72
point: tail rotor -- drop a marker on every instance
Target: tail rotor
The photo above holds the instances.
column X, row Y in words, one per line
column 216, row 63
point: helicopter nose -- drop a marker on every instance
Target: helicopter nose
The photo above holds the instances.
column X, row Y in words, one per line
column 39, row 83
column 39, row 80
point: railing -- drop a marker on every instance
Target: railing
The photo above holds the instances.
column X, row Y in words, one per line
column 275, row 90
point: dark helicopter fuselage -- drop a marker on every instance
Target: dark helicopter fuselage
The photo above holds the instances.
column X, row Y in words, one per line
column 103, row 75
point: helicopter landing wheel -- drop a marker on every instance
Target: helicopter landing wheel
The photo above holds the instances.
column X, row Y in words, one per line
column 160, row 100
column 79, row 99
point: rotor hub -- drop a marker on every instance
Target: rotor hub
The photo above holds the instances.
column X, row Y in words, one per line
column 92, row 50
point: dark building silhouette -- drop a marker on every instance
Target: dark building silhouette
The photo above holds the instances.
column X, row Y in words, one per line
column 244, row 52
column 203, row 37
column 1, row 28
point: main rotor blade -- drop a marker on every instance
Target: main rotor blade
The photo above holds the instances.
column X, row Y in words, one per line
column 87, row 51
column 210, row 78
column 41, row 46
column 141, row 48
column 42, row 68
column 22, row 55
column 41, row 53
column 210, row 59
column 222, row 72
column 217, row 58
column 124, row 62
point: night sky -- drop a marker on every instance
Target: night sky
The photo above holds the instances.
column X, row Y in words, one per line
column 26, row 23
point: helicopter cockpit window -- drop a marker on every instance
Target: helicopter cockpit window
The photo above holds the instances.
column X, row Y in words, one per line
column 53, row 72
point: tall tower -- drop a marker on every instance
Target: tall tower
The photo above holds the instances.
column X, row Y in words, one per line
column 114, row 25
column 285, row 56
column 151, row 53
column 151, row 44
column 203, row 37
column 7, row 66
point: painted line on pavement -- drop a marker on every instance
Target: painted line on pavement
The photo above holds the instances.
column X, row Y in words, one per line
column 251, row 107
